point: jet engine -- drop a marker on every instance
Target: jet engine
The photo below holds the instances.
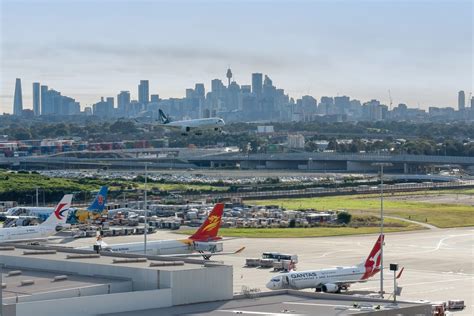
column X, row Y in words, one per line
column 330, row 288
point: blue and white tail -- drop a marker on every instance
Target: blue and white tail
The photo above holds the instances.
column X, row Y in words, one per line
column 98, row 205
column 162, row 117
column 61, row 211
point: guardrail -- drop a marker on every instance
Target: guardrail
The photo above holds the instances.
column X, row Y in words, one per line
column 312, row 192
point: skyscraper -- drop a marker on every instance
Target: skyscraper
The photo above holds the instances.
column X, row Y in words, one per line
column 36, row 98
column 45, row 109
column 257, row 83
column 18, row 99
column 144, row 92
column 461, row 100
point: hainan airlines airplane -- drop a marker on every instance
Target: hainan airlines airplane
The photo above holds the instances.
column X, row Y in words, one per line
column 41, row 231
column 196, row 126
column 331, row 280
column 200, row 244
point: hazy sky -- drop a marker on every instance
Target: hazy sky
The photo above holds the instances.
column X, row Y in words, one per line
column 421, row 50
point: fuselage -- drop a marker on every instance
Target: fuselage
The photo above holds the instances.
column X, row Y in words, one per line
column 25, row 232
column 197, row 124
column 155, row 247
column 316, row 278
column 75, row 215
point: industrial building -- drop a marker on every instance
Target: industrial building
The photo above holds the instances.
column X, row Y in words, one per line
column 46, row 281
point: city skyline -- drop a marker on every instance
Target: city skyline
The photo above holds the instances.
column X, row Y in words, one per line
column 333, row 49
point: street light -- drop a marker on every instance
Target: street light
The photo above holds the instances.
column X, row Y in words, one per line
column 381, row 165
column 146, row 209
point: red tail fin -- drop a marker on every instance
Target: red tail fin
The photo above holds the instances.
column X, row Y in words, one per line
column 372, row 264
column 209, row 229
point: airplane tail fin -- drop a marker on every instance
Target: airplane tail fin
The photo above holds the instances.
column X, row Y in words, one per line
column 372, row 264
column 209, row 229
column 59, row 216
column 98, row 205
column 162, row 117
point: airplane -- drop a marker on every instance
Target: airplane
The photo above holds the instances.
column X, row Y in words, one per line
column 75, row 215
column 331, row 280
column 186, row 126
column 42, row 231
column 200, row 244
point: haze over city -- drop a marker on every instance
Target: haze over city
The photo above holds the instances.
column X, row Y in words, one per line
column 420, row 50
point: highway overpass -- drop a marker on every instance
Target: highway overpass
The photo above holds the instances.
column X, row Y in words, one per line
column 186, row 158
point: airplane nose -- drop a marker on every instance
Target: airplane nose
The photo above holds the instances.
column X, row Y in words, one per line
column 271, row 286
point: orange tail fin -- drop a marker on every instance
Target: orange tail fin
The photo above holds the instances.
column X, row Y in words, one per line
column 372, row 264
column 209, row 229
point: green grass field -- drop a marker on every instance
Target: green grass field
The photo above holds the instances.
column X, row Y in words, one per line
column 309, row 232
column 440, row 215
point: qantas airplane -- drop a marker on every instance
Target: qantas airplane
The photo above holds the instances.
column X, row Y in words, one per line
column 331, row 280
column 201, row 244
column 41, row 231
column 75, row 216
column 196, row 126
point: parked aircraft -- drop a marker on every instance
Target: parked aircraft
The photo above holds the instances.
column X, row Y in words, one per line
column 331, row 280
column 201, row 243
column 42, row 231
column 75, row 215
column 196, row 126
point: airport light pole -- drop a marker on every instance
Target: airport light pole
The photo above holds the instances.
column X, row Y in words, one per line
column 381, row 165
column 146, row 208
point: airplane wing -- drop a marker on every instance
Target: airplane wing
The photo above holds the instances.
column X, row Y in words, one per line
column 16, row 241
column 204, row 254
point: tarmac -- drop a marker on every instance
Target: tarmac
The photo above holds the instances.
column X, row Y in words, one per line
column 439, row 264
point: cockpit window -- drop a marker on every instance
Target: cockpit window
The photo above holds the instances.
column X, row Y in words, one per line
column 276, row 280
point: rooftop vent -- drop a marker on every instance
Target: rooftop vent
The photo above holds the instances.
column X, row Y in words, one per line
column 83, row 256
column 60, row 278
column 39, row 252
column 27, row 282
column 166, row 263
column 14, row 272
column 129, row 260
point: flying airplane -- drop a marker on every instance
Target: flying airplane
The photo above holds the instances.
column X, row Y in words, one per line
column 197, row 126
column 75, row 215
column 331, row 280
column 42, row 231
column 200, row 244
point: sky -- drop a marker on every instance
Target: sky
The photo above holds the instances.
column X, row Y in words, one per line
column 420, row 50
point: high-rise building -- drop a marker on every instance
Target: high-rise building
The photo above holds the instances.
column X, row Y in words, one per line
column 36, row 98
column 472, row 103
column 461, row 100
column 123, row 100
column 18, row 98
column 257, row 83
column 199, row 90
column 144, row 92
column 154, row 98
column 43, row 94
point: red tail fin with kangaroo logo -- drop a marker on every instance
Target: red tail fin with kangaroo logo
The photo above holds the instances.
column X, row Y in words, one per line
column 372, row 264
column 209, row 229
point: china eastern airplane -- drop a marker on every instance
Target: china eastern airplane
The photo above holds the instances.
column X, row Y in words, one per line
column 196, row 126
column 76, row 215
column 331, row 280
column 41, row 231
column 200, row 244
